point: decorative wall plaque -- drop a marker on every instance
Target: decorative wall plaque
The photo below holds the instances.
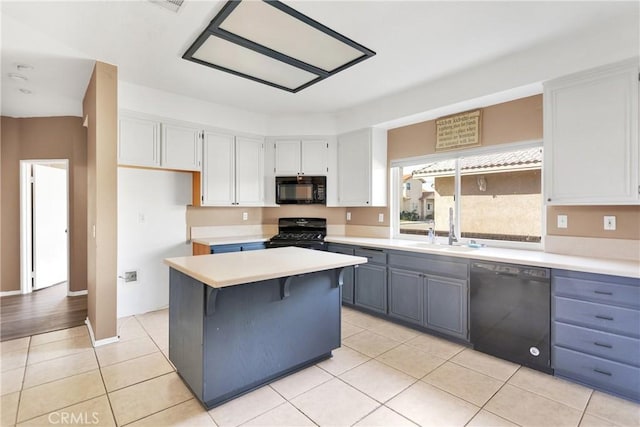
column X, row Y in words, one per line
column 458, row 131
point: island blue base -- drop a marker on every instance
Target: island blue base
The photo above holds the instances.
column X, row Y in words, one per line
column 226, row 342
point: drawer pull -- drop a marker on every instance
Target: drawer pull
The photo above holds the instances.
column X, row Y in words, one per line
column 602, row 345
column 603, row 292
column 602, row 372
column 603, row 317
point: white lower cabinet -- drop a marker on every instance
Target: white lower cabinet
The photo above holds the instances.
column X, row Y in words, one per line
column 232, row 170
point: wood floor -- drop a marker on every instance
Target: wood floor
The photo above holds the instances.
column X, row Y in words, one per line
column 44, row 310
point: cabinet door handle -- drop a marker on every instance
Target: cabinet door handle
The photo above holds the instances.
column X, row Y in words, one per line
column 602, row 372
column 603, row 293
column 602, row 345
column 603, row 317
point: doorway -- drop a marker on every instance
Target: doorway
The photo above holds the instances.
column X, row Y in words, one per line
column 44, row 224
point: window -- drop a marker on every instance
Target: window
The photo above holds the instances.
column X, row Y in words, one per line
column 493, row 195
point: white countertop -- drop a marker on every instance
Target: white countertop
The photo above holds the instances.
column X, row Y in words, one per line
column 228, row 269
column 533, row 258
column 231, row 240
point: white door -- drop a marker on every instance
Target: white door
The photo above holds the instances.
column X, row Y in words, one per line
column 50, row 241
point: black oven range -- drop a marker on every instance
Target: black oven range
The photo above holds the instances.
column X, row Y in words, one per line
column 301, row 232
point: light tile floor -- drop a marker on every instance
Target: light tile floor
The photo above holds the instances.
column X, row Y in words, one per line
column 383, row 375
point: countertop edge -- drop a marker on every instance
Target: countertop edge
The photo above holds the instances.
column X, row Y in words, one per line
column 231, row 240
column 251, row 278
column 516, row 256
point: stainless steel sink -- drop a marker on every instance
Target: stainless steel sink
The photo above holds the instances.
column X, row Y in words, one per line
column 443, row 248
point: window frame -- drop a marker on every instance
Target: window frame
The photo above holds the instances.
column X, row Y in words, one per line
column 395, row 175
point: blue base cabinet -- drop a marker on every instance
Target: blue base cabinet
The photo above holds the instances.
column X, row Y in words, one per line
column 596, row 331
column 237, row 247
column 430, row 291
column 406, row 295
column 348, row 275
column 370, row 282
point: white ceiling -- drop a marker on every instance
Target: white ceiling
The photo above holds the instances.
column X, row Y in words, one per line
column 416, row 42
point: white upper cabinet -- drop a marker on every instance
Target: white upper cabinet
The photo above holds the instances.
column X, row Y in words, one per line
column 138, row 141
column 362, row 168
column 232, row 173
column 218, row 171
column 287, row 155
column 314, row 157
column 301, row 157
column 249, row 171
column 158, row 143
column 591, row 136
column 181, row 147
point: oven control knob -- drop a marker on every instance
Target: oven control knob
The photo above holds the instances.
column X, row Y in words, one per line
column 534, row 351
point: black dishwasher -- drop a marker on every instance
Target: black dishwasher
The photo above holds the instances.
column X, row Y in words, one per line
column 510, row 313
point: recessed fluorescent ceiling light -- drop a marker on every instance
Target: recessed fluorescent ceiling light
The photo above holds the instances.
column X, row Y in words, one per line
column 271, row 43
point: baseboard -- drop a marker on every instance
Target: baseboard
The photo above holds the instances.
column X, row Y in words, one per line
column 9, row 293
column 101, row 342
column 77, row 293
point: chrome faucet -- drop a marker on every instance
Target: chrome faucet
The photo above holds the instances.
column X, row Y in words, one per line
column 452, row 234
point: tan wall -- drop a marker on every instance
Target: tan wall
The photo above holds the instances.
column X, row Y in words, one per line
column 100, row 106
column 519, row 120
column 201, row 216
column 588, row 221
column 334, row 216
column 35, row 139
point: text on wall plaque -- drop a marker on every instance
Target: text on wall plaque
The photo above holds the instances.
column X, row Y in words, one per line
column 458, row 131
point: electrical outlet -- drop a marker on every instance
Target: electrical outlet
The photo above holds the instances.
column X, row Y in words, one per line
column 562, row 221
column 348, row 216
column 130, row 276
column 380, row 217
column 609, row 222
column 245, row 216
column 141, row 218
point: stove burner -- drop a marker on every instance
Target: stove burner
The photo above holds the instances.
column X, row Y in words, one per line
column 301, row 232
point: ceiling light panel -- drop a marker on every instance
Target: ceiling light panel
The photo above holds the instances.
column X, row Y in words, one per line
column 240, row 60
column 269, row 42
column 269, row 26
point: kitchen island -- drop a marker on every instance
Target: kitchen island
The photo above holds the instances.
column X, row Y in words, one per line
column 240, row 320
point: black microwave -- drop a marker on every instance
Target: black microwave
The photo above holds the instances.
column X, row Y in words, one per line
column 301, row 190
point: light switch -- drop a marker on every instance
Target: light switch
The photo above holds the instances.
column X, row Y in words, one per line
column 609, row 222
column 562, row 221
column 348, row 216
column 380, row 217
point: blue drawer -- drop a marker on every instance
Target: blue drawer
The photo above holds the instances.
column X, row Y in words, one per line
column 436, row 265
column 599, row 288
column 340, row 249
column 603, row 344
column 599, row 316
column 372, row 255
column 597, row 372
